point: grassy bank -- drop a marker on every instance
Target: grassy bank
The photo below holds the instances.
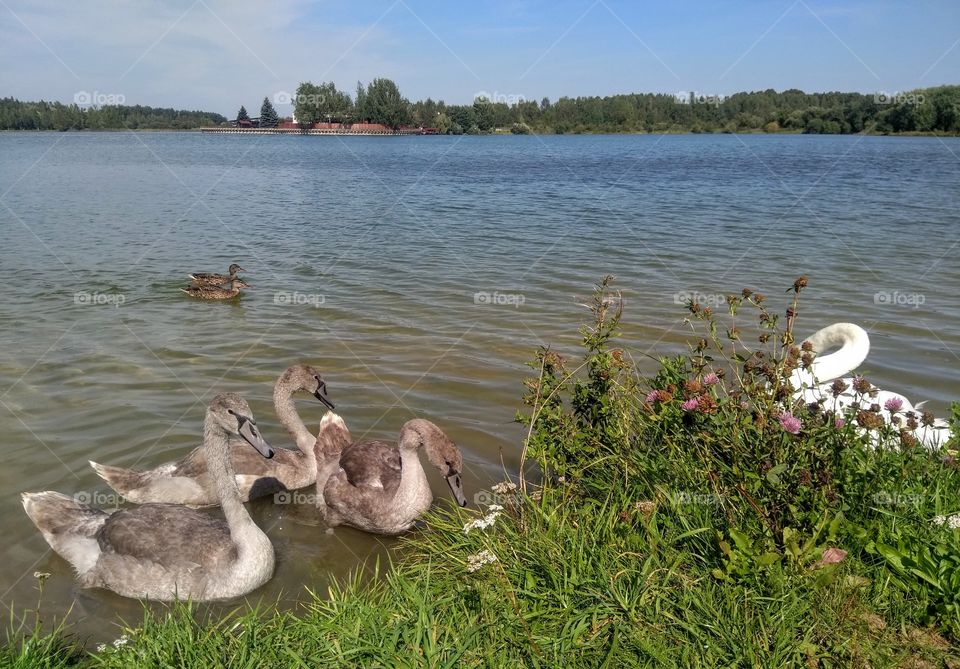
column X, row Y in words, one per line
column 698, row 518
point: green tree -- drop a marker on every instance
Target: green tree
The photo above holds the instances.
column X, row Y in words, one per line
column 385, row 105
column 360, row 108
column 242, row 115
column 322, row 102
column 268, row 115
column 946, row 102
column 463, row 117
column 483, row 113
column 443, row 123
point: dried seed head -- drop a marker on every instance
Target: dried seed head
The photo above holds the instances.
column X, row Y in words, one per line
column 869, row 420
column 707, row 404
column 907, row 440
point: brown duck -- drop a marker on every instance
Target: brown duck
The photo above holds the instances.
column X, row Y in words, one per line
column 215, row 280
column 216, row 292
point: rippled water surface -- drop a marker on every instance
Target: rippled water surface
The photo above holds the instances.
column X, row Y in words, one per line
column 366, row 257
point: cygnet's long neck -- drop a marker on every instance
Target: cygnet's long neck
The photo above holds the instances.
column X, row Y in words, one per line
column 221, row 469
column 854, row 347
column 413, row 480
column 287, row 413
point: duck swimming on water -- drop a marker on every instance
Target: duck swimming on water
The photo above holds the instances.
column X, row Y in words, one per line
column 216, row 292
column 215, row 280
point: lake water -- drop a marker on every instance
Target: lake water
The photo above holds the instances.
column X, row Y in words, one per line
column 366, row 257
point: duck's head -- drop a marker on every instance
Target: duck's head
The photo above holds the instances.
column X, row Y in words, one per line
column 304, row 378
column 442, row 452
column 234, row 268
column 240, row 283
column 232, row 413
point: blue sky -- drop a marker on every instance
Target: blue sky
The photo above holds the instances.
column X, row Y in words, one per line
column 218, row 54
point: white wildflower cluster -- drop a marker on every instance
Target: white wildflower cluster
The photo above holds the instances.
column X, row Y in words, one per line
column 504, row 488
column 495, row 510
column 953, row 522
column 474, row 562
column 117, row 643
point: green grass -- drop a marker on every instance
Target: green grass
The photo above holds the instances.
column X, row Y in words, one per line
column 657, row 538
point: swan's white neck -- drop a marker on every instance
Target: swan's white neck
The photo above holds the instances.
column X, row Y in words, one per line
column 854, row 346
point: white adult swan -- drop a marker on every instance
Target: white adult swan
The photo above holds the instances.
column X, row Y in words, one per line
column 165, row 551
column 814, row 385
column 854, row 346
column 379, row 488
column 188, row 481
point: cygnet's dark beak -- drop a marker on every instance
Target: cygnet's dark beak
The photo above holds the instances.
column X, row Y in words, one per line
column 456, row 487
column 248, row 430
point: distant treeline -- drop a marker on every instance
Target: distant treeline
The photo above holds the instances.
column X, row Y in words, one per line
column 17, row 115
column 926, row 110
column 922, row 110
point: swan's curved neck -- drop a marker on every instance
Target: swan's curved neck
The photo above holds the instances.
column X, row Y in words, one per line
column 221, row 469
column 854, row 346
column 413, row 483
column 287, row 413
